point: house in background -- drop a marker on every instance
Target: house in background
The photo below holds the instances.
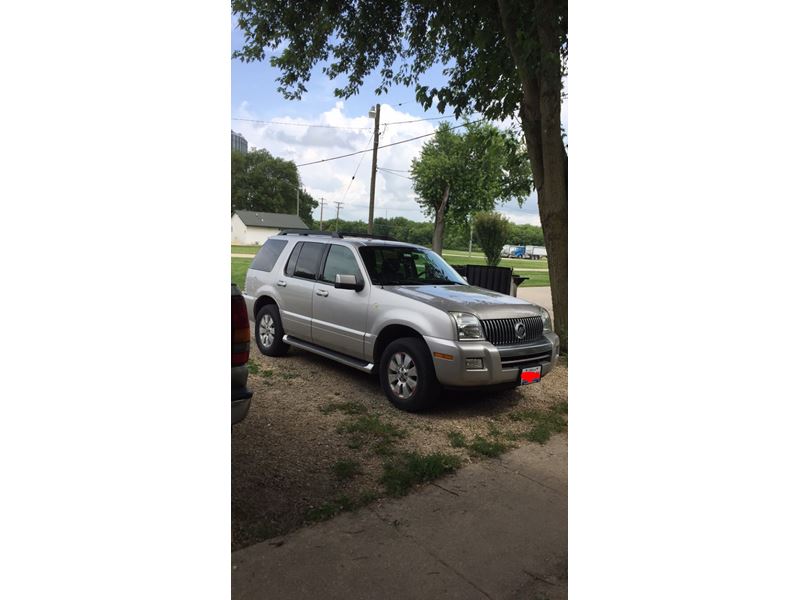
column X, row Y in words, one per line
column 250, row 227
column 238, row 142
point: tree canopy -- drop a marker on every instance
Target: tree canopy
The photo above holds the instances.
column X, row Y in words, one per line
column 402, row 41
column 470, row 171
column 262, row 182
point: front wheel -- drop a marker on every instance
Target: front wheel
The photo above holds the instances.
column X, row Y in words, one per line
column 407, row 375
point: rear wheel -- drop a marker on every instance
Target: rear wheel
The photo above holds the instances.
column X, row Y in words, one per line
column 269, row 331
column 407, row 375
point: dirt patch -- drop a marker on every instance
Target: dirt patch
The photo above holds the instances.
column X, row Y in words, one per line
column 319, row 436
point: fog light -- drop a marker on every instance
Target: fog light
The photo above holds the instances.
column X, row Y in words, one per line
column 474, row 363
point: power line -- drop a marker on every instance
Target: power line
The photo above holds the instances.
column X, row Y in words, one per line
column 300, row 124
column 315, row 162
column 395, row 174
column 418, row 120
column 360, row 160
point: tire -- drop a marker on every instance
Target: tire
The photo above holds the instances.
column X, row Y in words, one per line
column 271, row 345
column 415, row 393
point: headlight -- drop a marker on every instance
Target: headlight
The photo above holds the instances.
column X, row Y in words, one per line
column 468, row 326
column 548, row 323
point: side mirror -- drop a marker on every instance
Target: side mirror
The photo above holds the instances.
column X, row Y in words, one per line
column 348, row 282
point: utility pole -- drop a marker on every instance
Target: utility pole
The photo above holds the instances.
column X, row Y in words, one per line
column 298, row 197
column 376, row 112
column 338, row 206
column 470, row 236
column 321, row 204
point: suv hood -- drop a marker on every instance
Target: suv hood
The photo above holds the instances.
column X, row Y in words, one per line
column 484, row 304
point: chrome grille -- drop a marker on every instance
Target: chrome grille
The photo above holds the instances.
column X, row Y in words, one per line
column 502, row 332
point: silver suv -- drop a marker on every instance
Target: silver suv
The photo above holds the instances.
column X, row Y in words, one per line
column 364, row 302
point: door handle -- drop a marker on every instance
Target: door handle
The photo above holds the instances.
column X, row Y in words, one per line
column 322, row 293
column 281, row 283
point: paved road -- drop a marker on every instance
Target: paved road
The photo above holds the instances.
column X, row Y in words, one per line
column 537, row 295
column 495, row 529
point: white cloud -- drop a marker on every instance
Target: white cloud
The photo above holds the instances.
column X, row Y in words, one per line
column 330, row 180
column 521, row 218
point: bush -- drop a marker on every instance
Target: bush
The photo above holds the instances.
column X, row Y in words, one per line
column 492, row 229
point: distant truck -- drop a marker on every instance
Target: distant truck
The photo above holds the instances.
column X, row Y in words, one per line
column 532, row 252
column 513, row 252
column 535, row 252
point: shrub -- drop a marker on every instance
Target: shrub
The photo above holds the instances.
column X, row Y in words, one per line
column 492, row 230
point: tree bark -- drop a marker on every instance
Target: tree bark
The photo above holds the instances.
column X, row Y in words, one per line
column 438, row 227
column 540, row 113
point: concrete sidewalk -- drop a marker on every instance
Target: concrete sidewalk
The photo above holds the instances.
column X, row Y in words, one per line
column 495, row 529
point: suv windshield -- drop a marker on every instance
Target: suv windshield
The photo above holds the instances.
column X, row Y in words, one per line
column 399, row 265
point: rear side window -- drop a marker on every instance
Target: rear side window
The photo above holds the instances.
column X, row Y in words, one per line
column 268, row 255
column 290, row 264
column 308, row 260
column 340, row 261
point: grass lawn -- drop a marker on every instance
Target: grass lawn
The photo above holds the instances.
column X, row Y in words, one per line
column 535, row 279
column 239, row 268
column 244, row 249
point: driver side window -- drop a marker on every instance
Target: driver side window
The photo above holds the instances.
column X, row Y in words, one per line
column 340, row 261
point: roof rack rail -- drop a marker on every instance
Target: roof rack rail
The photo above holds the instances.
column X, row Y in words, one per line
column 370, row 236
column 309, row 232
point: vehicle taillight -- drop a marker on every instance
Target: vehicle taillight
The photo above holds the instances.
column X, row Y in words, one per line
column 240, row 332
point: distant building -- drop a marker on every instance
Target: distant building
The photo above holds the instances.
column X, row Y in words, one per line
column 250, row 227
column 238, row 142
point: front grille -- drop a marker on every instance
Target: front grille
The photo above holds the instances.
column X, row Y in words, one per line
column 527, row 360
column 503, row 332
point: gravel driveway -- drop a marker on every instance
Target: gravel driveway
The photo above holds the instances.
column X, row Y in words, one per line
column 321, row 438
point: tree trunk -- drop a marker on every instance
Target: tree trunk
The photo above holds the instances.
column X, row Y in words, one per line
column 438, row 227
column 540, row 113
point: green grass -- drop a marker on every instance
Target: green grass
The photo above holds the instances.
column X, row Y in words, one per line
column 543, row 423
column 457, row 439
column 348, row 408
column 245, row 249
column 369, row 428
column 340, row 504
column 239, row 268
column 403, row 473
column 479, row 446
column 489, row 448
column 372, row 425
column 254, row 369
column 346, row 469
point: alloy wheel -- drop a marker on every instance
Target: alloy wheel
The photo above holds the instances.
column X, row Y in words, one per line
column 266, row 331
column 403, row 376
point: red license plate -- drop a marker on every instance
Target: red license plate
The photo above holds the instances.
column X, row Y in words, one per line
column 530, row 375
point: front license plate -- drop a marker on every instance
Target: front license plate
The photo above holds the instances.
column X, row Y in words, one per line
column 530, row 375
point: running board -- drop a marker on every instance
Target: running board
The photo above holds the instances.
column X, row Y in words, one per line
column 361, row 365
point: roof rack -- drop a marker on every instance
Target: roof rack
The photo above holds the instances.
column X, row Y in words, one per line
column 370, row 236
column 309, row 232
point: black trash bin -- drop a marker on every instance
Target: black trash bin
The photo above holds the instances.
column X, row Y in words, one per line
column 497, row 279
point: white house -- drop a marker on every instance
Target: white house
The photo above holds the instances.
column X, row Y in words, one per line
column 250, row 227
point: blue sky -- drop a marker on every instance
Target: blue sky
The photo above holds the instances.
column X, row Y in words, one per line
column 254, row 96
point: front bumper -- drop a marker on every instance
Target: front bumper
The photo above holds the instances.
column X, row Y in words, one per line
column 501, row 364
